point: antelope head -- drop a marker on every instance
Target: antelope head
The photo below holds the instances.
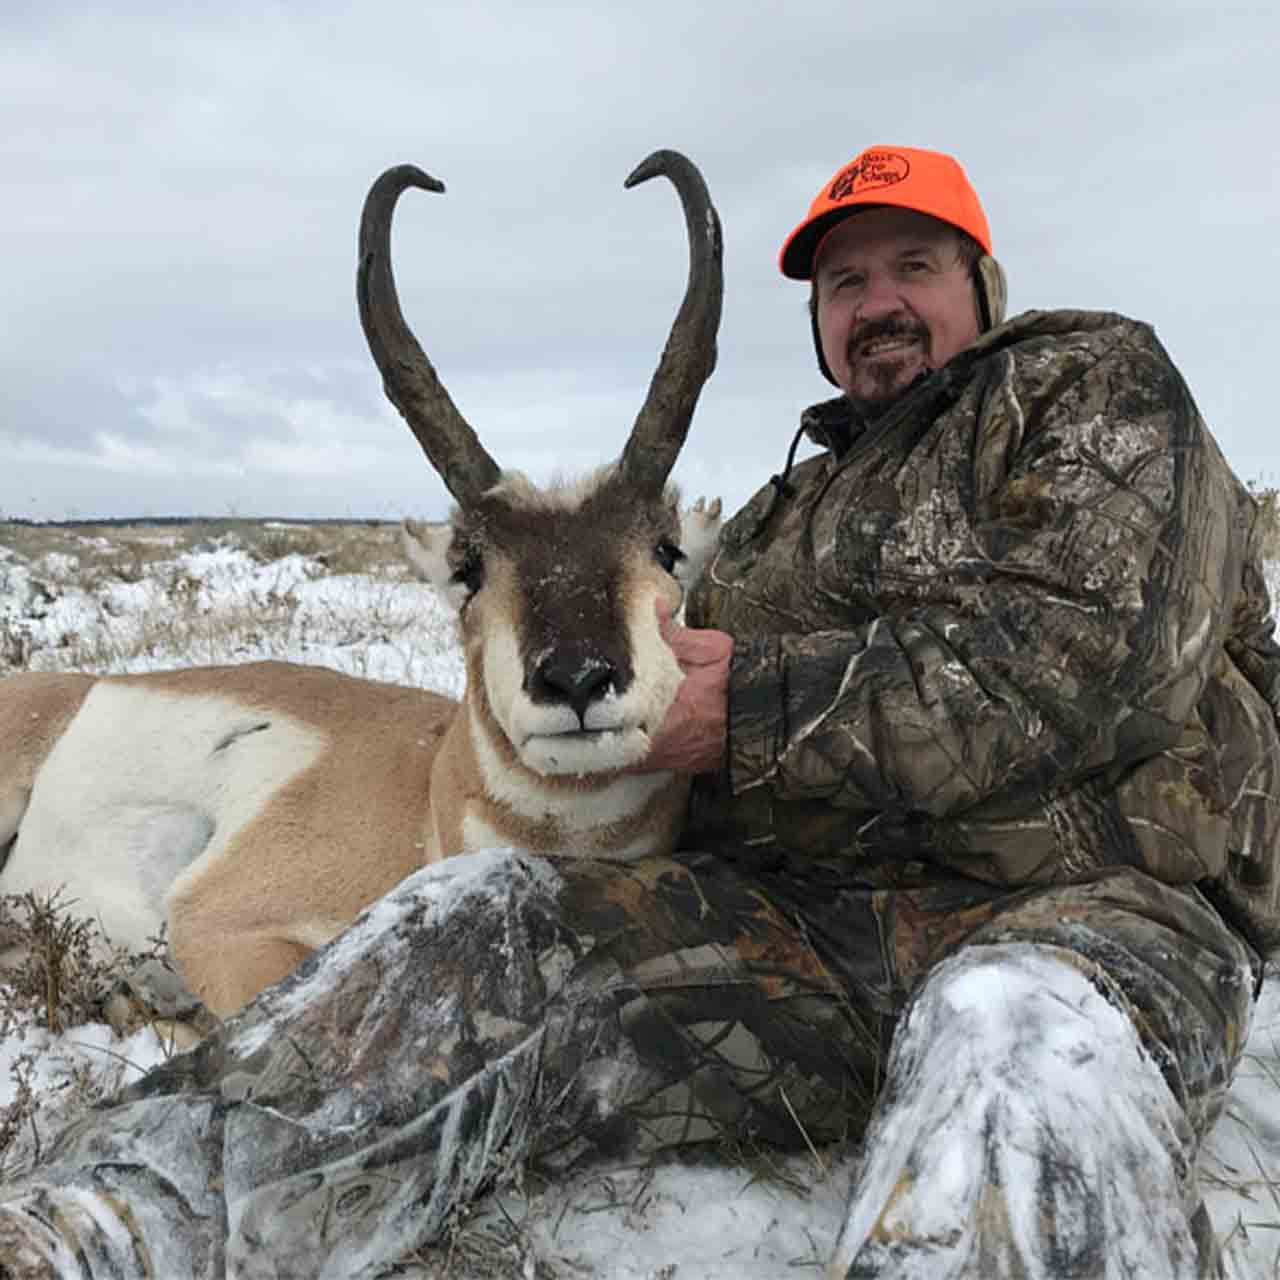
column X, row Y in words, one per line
column 556, row 589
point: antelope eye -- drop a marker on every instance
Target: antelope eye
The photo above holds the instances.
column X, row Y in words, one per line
column 668, row 555
column 470, row 574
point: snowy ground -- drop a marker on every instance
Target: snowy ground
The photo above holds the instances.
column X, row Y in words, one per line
column 681, row 1220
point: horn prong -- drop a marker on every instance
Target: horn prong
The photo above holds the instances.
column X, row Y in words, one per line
column 408, row 377
column 690, row 353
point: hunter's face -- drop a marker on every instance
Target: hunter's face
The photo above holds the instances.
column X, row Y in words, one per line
column 894, row 299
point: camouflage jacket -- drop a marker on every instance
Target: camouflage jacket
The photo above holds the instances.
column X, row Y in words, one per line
column 1016, row 628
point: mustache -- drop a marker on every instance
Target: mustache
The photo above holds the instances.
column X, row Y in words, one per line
column 894, row 326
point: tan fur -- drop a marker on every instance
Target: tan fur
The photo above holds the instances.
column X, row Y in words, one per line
column 258, row 809
column 35, row 709
column 319, row 854
column 457, row 784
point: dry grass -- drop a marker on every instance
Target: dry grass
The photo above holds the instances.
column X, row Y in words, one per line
column 59, row 975
column 138, row 606
column 60, row 972
column 125, row 552
column 128, row 550
column 348, row 548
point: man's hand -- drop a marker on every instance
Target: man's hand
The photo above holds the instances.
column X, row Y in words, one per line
column 692, row 737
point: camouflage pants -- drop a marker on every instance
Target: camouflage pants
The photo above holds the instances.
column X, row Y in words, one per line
column 497, row 1009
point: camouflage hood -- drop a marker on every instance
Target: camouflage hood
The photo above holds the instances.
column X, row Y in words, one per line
column 1016, row 628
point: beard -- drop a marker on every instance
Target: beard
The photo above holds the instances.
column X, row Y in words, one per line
column 881, row 382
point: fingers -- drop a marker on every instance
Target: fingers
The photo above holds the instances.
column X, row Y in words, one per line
column 701, row 648
column 692, row 647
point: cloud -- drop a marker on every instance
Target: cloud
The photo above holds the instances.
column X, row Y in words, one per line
column 183, row 189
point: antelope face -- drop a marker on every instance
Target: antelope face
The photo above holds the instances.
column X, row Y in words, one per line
column 556, row 592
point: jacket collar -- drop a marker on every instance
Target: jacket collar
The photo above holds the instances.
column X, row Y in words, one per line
column 835, row 425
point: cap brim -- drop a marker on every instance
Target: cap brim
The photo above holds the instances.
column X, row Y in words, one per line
column 796, row 259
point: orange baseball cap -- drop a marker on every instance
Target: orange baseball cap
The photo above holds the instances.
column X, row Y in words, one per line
column 926, row 181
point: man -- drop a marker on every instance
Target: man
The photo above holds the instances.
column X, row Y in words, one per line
column 963, row 639
column 982, row 703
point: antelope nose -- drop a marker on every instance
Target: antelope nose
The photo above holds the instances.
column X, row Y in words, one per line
column 577, row 683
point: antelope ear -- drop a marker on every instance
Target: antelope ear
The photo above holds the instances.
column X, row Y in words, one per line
column 699, row 534
column 426, row 547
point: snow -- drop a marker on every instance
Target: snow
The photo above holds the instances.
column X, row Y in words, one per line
column 210, row 606
column 88, row 1059
column 689, row 1217
column 1010, row 1060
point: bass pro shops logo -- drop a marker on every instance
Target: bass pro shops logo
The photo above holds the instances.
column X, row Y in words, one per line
column 868, row 172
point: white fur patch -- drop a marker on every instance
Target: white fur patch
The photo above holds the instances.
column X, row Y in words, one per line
column 478, row 835
column 657, row 674
column 579, row 755
column 582, row 813
column 142, row 787
column 548, row 738
column 502, row 670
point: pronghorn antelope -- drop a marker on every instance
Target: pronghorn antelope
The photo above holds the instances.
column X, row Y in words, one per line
column 260, row 808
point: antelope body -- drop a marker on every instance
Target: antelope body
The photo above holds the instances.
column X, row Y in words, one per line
column 258, row 809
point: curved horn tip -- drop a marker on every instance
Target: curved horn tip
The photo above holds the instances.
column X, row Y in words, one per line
column 409, row 175
column 656, row 165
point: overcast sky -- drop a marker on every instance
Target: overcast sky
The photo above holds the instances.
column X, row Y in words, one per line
column 182, row 185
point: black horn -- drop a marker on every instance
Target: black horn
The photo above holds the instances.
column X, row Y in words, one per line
column 690, row 353
column 410, row 382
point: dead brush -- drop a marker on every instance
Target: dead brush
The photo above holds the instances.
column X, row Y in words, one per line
column 63, row 976
column 485, row 1240
column 269, row 542
column 126, row 562
column 66, row 967
column 60, row 978
column 180, row 619
column 364, row 548
column 33, row 541
column 15, row 646
column 18, row 1116
column 58, row 981
column 354, row 548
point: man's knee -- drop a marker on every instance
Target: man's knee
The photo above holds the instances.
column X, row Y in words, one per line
column 1023, row 1130
column 1022, row 1008
column 1163, row 954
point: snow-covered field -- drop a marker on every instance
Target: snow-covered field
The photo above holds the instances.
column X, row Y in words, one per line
column 142, row 599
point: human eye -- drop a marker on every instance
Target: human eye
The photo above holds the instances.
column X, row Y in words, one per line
column 848, row 281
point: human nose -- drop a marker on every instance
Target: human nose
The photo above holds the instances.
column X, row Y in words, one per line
column 880, row 296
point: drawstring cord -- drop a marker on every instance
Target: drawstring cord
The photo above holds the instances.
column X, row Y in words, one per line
column 781, row 489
